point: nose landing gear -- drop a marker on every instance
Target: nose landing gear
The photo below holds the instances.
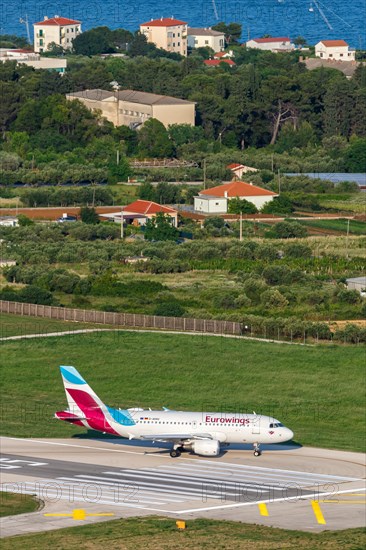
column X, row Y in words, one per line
column 176, row 452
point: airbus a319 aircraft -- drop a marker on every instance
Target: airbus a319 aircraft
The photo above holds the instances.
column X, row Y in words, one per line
column 200, row 432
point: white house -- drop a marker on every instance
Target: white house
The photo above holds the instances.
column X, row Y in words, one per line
column 9, row 221
column 206, row 38
column 272, row 44
column 239, row 169
column 59, row 30
column 337, row 50
column 139, row 211
column 215, row 200
column 27, row 57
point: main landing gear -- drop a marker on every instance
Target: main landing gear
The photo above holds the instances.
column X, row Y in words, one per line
column 257, row 451
column 176, row 452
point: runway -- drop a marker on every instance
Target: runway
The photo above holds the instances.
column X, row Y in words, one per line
column 128, row 479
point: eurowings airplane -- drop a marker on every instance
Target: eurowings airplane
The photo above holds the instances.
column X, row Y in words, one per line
column 200, row 432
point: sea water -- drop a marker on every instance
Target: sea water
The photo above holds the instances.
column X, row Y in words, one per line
column 315, row 20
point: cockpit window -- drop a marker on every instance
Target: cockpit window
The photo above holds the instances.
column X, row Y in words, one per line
column 276, row 425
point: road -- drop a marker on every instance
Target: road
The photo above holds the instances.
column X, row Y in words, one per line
column 127, row 478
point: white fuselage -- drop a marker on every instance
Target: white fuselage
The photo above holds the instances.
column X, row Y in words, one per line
column 224, row 427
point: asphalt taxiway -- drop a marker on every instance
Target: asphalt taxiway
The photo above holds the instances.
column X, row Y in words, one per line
column 290, row 487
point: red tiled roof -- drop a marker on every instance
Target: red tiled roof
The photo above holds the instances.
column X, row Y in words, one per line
column 216, row 62
column 271, row 39
column 148, row 207
column 234, row 165
column 237, row 189
column 21, row 51
column 333, row 43
column 59, row 21
column 163, row 22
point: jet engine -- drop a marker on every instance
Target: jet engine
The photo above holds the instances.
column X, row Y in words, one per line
column 207, row 447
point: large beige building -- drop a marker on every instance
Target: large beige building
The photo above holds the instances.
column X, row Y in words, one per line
column 206, row 38
column 167, row 33
column 132, row 108
column 59, row 30
column 337, row 50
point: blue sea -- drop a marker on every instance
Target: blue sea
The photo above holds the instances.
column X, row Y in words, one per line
column 315, row 20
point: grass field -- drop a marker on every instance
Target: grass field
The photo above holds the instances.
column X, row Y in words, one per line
column 152, row 532
column 318, row 392
column 355, row 227
column 14, row 325
column 12, row 504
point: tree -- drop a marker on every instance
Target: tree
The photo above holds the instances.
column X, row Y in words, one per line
column 355, row 156
column 154, row 140
column 160, row 228
column 289, row 230
column 300, row 41
column 93, row 42
column 232, row 31
column 89, row 215
column 279, row 205
column 24, row 220
column 237, row 205
column 339, row 103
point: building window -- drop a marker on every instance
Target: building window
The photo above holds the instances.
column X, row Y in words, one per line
column 41, row 42
column 178, row 43
column 195, row 41
column 173, row 44
column 178, row 34
column 206, row 41
column 41, row 32
column 173, row 34
column 341, row 55
column 67, row 30
column 67, row 40
column 71, row 30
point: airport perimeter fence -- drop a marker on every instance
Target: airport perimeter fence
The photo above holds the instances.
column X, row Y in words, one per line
column 268, row 330
column 126, row 320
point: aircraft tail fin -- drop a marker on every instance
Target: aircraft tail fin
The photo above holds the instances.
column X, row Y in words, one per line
column 81, row 398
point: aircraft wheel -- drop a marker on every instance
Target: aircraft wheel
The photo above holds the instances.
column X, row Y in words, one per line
column 175, row 453
column 257, row 453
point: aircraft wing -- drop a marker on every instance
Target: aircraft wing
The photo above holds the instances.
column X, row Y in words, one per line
column 175, row 437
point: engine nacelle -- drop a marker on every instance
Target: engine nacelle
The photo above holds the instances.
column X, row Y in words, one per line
column 206, row 447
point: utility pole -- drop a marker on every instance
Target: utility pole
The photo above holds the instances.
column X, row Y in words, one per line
column 122, row 232
column 279, row 181
column 204, row 173
column 241, row 226
column 117, row 157
column 347, row 239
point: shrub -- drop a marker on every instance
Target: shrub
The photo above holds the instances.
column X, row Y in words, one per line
column 289, row 230
column 298, row 250
column 349, row 296
column 169, row 309
column 273, row 298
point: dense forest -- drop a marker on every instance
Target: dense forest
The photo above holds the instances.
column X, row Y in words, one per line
column 268, row 102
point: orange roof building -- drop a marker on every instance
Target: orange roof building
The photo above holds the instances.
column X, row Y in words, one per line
column 217, row 62
column 334, row 50
column 59, row 30
column 167, row 33
column 215, row 200
column 138, row 212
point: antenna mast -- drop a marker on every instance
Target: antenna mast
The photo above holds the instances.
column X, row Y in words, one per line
column 25, row 22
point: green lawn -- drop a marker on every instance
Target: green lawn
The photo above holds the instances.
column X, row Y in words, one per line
column 355, row 227
column 12, row 503
column 14, row 325
column 153, row 532
column 317, row 391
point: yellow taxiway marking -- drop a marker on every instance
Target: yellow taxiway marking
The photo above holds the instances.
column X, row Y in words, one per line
column 78, row 515
column 317, row 512
column 263, row 509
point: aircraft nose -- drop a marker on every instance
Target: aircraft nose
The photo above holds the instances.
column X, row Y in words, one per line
column 289, row 434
